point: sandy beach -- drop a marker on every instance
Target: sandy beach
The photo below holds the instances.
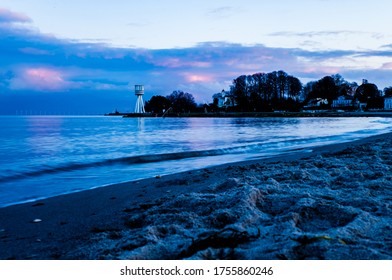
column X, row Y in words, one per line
column 334, row 202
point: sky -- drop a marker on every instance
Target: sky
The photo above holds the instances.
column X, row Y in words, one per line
column 85, row 56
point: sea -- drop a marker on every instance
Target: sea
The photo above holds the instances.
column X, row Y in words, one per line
column 46, row 156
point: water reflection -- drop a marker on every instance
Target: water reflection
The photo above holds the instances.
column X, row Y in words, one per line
column 44, row 136
column 49, row 142
column 140, row 124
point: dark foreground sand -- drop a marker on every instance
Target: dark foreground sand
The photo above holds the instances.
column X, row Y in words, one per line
column 332, row 203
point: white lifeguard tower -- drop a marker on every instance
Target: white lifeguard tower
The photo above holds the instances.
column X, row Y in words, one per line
column 139, row 92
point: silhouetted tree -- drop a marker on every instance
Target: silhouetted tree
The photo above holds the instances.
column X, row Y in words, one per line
column 344, row 87
column 307, row 89
column 241, row 93
column 339, row 80
column 369, row 93
column 281, row 78
column 263, row 92
column 376, row 103
column 182, row 101
column 294, row 87
column 278, row 90
column 325, row 89
column 157, row 104
column 388, row 92
column 272, row 86
column 365, row 92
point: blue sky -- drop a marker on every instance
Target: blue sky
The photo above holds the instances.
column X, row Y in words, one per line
column 84, row 56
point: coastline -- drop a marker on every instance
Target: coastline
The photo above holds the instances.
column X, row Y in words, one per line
column 278, row 114
column 332, row 203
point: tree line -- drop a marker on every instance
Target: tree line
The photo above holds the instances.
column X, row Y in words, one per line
column 266, row 92
column 275, row 91
column 178, row 102
column 331, row 87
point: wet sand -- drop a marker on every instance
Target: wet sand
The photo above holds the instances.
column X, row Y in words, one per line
column 332, row 203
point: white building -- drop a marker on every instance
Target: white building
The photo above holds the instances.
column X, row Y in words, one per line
column 317, row 102
column 388, row 103
column 225, row 99
column 342, row 101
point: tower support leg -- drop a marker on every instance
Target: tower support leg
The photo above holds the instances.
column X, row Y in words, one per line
column 139, row 108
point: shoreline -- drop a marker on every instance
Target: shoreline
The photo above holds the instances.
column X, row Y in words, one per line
column 288, row 155
column 310, row 114
column 111, row 222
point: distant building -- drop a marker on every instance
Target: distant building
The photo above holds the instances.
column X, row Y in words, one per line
column 224, row 99
column 315, row 103
column 388, row 103
column 342, row 101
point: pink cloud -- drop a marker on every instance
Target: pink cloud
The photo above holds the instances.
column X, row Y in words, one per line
column 175, row 62
column 169, row 62
column 196, row 78
column 324, row 69
column 41, row 79
column 46, row 79
column 9, row 16
column 387, row 66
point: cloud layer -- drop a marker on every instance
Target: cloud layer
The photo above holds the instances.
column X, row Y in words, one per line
column 7, row 16
column 32, row 63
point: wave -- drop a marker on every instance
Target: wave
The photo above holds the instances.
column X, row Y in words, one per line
column 141, row 159
column 252, row 150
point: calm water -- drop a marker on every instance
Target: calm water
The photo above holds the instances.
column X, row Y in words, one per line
column 42, row 156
